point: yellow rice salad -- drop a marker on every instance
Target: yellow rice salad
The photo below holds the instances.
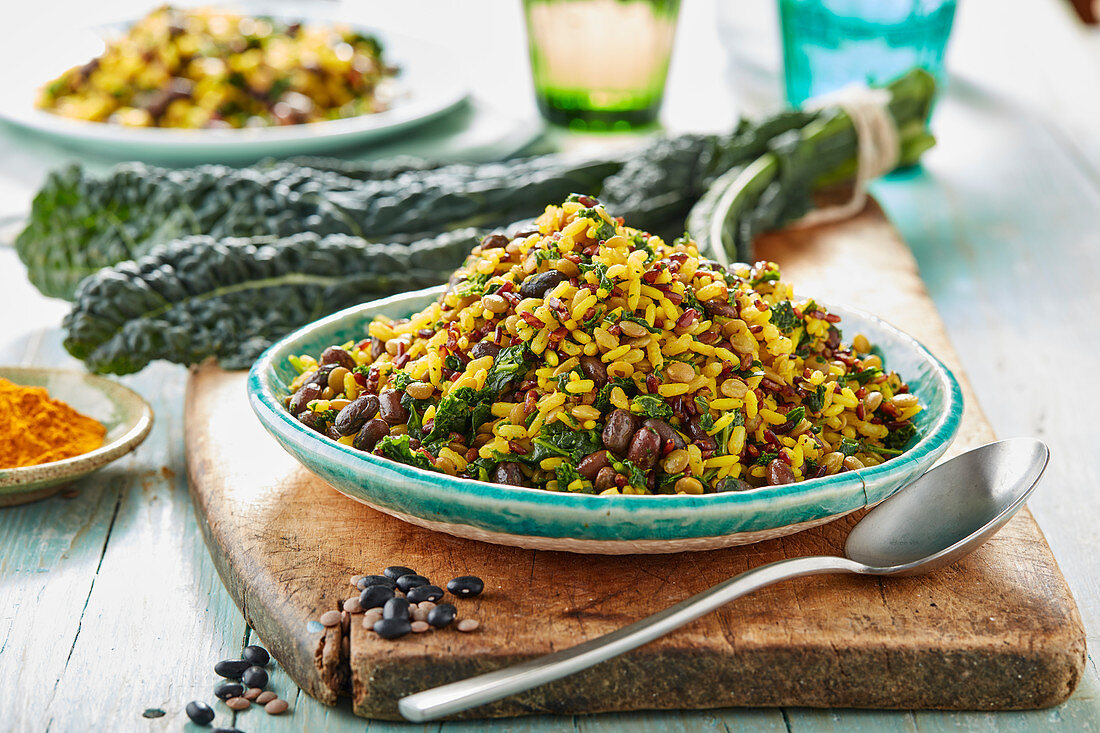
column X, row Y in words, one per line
column 590, row 357
column 207, row 68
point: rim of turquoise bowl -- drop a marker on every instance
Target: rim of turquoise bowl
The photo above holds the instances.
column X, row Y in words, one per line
column 263, row 400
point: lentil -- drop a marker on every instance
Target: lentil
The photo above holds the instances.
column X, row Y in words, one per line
column 419, row 627
column 265, row 697
column 468, row 624
column 276, row 707
column 328, row 618
column 238, row 703
column 352, row 605
column 252, row 693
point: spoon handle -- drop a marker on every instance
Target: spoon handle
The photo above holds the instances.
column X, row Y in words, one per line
column 465, row 694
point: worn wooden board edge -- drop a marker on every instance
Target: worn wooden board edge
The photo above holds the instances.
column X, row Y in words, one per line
column 306, row 661
column 1054, row 665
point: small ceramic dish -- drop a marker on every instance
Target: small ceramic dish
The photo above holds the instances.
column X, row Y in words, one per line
column 550, row 520
column 122, row 411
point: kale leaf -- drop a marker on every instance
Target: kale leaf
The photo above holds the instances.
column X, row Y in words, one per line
column 898, row 439
column 558, row 439
column 648, row 405
column 508, row 366
column 783, row 316
column 397, row 448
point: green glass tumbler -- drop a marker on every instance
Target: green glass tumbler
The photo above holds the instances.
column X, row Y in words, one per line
column 600, row 65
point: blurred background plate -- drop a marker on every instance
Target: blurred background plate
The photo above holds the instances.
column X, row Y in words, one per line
column 430, row 84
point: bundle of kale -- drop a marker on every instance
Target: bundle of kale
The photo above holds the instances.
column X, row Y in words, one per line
column 219, row 262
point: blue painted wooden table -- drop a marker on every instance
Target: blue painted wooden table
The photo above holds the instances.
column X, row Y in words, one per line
column 110, row 606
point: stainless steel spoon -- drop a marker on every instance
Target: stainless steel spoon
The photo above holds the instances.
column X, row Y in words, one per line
column 939, row 518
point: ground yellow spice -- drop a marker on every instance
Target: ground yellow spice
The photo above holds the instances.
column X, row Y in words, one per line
column 36, row 429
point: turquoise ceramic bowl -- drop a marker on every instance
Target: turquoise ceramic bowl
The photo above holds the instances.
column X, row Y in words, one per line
column 598, row 524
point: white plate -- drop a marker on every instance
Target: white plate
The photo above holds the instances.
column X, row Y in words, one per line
column 430, row 84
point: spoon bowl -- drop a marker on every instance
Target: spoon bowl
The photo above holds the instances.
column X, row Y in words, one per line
column 934, row 521
column 950, row 510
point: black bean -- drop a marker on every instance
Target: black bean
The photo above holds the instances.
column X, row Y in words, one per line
column 333, row 433
column 336, row 355
column 442, row 615
column 375, row 596
column 369, row 435
column 666, row 432
column 231, row 668
column 508, row 473
column 594, row 369
column 256, row 654
column 621, row 426
column 199, row 712
column 645, row 448
column 393, row 572
column 357, row 412
column 368, row 580
column 312, row 420
column 466, row 586
column 494, row 241
column 536, row 286
column 484, row 348
column 392, row 628
column 408, row 582
column 424, row 593
column 605, row 479
column 255, row 676
column 591, row 464
column 305, row 394
column 779, row 473
column 226, row 690
column 396, row 608
column 392, row 411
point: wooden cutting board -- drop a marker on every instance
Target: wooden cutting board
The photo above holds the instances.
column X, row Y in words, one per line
column 998, row 630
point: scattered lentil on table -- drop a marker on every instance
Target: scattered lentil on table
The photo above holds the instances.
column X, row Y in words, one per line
column 330, row 618
column 468, row 624
column 238, row 703
column 265, row 697
column 277, row 706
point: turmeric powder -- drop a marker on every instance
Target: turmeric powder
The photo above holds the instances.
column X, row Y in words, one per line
column 36, row 429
